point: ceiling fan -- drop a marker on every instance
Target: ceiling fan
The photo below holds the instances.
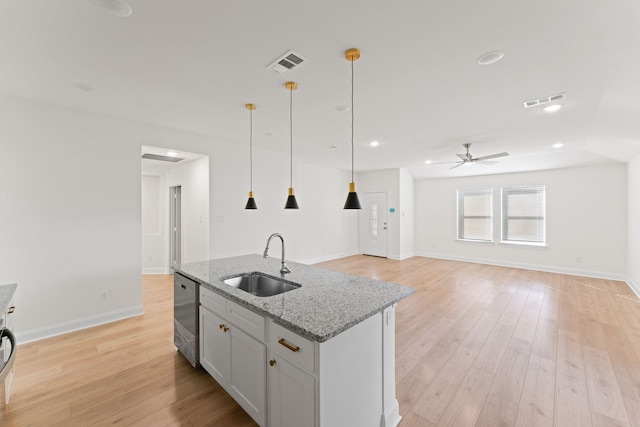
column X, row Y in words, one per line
column 467, row 158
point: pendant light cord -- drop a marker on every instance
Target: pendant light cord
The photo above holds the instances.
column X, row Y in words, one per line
column 291, row 137
column 251, row 150
column 352, row 118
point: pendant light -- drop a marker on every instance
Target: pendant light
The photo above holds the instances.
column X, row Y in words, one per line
column 352, row 202
column 251, row 203
column 291, row 200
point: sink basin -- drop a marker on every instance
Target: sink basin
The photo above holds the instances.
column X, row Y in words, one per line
column 260, row 284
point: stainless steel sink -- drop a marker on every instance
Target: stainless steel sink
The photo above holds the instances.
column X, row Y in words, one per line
column 260, row 284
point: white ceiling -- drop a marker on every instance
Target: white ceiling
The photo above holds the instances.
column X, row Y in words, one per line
column 193, row 64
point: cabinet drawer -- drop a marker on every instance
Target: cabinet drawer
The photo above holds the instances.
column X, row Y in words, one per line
column 250, row 322
column 213, row 301
column 298, row 350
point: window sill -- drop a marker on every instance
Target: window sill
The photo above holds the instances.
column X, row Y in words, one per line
column 485, row 242
column 535, row 245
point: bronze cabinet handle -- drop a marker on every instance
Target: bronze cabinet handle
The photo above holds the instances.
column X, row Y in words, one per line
column 287, row 344
column 272, row 362
column 11, row 309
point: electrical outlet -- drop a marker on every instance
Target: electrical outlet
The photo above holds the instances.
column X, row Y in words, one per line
column 104, row 295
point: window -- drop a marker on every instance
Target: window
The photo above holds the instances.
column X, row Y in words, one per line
column 523, row 215
column 475, row 214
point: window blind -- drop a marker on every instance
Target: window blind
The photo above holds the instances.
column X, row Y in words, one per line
column 523, row 214
column 475, row 214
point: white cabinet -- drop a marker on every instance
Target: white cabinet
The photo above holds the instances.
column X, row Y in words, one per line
column 291, row 378
column 247, row 379
column 215, row 345
column 235, row 359
column 291, row 394
column 282, row 379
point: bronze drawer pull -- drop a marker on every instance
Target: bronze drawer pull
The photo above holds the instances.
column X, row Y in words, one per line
column 287, row 344
column 272, row 362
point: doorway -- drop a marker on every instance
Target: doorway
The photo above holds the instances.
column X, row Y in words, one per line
column 175, row 226
column 373, row 224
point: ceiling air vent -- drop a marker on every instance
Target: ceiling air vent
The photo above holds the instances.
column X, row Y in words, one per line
column 287, row 62
column 545, row 100
column 161, row 158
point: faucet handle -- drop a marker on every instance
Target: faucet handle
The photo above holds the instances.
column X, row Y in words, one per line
column 284, row 269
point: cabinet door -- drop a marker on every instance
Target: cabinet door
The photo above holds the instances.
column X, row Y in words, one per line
column 247, row 380
column 215, row 349
column 291, row 395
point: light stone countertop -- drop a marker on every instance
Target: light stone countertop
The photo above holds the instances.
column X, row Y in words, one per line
column 327, row 303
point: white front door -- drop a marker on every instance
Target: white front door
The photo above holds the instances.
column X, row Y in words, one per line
column 373, row 224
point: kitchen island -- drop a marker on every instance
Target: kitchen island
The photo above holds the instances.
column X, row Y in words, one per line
column 319, row 355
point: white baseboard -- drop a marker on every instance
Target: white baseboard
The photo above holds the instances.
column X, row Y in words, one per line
column 76, row 325
column 327, row 258
column 401, row 257
column 634, row 286
column 156, row 270
column 536, row 267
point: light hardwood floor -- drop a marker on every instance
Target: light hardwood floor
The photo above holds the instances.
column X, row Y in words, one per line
column 476, row 345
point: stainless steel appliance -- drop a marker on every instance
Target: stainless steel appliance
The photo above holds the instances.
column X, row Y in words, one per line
column 185, row 317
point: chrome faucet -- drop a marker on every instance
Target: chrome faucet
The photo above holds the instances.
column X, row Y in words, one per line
column 283, row 269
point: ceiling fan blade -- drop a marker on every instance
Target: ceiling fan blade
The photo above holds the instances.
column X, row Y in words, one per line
column 492, row 156
column 442, row 163
column 458, row 165
column 462, row 156
column 485, row 162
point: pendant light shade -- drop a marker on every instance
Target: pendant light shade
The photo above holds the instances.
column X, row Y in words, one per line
column 291, row 199
column 251, row 203
column 352, row 202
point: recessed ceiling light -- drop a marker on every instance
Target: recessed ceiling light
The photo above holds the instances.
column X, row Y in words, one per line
column 427, row 162
column 490, row 57
column 268, row 134
column 552, row 108
column 171, row 153
column 116, row 7
column 343, row 108
column 333, row 147
column 558, row 145
column 374, row 143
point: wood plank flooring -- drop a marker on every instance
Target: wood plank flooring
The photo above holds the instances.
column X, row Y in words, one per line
column 476, row 345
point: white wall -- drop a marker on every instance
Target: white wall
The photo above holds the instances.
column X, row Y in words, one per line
column 70, row 217
column 407, row 215
column 154, row 225
column 71, row 211
column 329, row 230
column 193, row 178
column 633, row 224
column 586, row 221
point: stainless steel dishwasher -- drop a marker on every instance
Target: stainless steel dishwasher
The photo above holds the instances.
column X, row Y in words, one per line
column 185, row 317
